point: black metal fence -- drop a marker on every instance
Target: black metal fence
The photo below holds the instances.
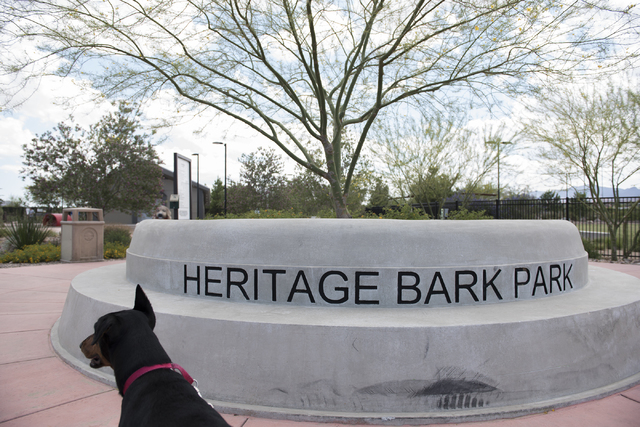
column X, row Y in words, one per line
column 596, row 220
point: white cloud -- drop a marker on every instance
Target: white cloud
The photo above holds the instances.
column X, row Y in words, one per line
column 56, row 99
column 11, row 168
column 14, row 135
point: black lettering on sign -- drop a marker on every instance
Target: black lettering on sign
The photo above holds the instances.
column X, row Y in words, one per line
column 255, row 284
column 432, row 291
column 334, row 286
column 413, row 287
column 273, row 274
column 188, row 278
column 488, row 284
column 207, row 281
column 474, row 280
column 360, row 287
column 554, row 278
column 343, row 289
column 539, row 282
column 239, row 284
column 566, row 277
column 306, row 290
column 519, row 282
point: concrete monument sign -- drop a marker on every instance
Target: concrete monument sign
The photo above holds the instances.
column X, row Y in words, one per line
column 375, row 320
column 378, row 263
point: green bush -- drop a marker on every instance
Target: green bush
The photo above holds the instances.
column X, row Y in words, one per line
column 271, row 213
column 48, row 253
column 25, row 231
column 591, row 249
column 405, row 212
column 117, row 234
column 115, row 250
column 33, row 254
column 464, row 214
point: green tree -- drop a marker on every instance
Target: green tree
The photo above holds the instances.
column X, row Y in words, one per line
column 550, row 195
column 216, row 201
column 306, row 71
column 596, row 132
column 111, row 166
column 432, row 187
column 379, row 194
column 240, row 198
column 551, row 202
column 308, row 193
column 578, row 206
column 262, row 174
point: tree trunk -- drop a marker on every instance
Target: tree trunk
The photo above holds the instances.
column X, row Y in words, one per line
column 341, row 208
column 613, row 231
column 333, row 176
column 339, row 201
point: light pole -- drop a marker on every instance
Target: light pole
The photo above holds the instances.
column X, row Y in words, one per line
column 498, row 143
column 198, row 186
column 225, row 175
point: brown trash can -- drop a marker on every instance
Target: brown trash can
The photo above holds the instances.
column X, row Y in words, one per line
column 82, row 238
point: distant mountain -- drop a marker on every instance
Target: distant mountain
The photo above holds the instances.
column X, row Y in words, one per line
column 604, row 192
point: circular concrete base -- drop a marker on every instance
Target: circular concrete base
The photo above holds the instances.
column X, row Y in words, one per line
column 383, row 365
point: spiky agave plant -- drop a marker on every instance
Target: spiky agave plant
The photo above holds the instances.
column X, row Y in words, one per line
column 25, row 231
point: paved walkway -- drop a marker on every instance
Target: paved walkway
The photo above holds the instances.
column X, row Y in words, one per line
column 39, row 389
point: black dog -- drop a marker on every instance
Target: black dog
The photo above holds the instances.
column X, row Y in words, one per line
column 154, row 394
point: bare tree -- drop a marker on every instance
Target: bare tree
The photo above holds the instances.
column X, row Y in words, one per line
column 429, row 158
column 306, row 71
column 595, row 132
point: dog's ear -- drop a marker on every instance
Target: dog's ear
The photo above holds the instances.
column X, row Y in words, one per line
column 142, row 304
column 102, row 326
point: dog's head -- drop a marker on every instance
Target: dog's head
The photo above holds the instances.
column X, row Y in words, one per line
column 110, row 328
column 163, row 212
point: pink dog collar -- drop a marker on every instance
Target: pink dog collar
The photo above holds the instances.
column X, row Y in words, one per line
column 140, row 372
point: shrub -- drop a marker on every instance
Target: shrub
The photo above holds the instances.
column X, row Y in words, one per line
column 117, row 234
column 115, row 250
column 271, row 213
column 591, row 249
column 464, row 214
column 24, row 232
column 33, row 254
column 405, row 212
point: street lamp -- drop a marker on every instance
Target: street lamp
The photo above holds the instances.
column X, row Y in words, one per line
column 198, row 186
column 498, row 143
column 225, row 175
